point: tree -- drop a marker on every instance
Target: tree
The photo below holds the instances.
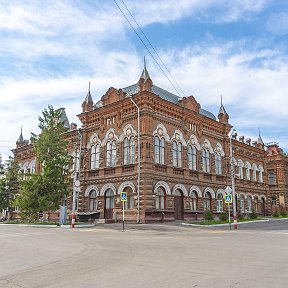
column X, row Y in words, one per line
column 44, row 192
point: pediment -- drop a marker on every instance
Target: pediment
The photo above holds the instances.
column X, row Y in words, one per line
column 112, row 95
column 190, row 103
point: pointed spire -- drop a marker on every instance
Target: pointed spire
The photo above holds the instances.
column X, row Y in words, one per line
column 222, row 109
column 145, row 75
column 260, row 141
column 88, row 96
column 87, row 104
column 20, row 139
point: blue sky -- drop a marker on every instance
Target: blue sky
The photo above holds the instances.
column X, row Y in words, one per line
column 50, row 50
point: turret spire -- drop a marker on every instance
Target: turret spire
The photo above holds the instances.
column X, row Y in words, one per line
column 145, row 75
column 20, row 139
column 223, row 115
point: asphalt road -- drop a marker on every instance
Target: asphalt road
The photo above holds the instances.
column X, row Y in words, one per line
column 144, row 256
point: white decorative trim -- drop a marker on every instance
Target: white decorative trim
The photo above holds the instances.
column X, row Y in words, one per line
column 90, row 188
column 94, row 139
column 249, row 194
column 25, row 165
column 210, row 190
column 164, row 185
column 260, row 168
column 220, row 191
column 194, row 142
column 126, row 184
column 207, row 146
column 263, row 196
column 178, row 137
column 106, row 187
column 254, row 167
column 240, row 163
column 180, row 187
column 128, row 131
column 247, row 165
column 108, row 137
column 162, row 132
column 234, row 161
column 219, row 150
column 197, row 189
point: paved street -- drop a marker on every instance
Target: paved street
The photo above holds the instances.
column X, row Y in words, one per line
column 166, row 255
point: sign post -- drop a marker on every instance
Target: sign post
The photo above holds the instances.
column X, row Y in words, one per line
column 123, row 199
column 228, row 200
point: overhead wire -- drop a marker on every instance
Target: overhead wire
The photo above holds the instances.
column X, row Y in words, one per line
column 146, row 47
column 152, row 46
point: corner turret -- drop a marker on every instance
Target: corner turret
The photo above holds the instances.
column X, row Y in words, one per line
column 87, row 104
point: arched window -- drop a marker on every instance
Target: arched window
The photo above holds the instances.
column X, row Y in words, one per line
column 192, row 157
column 129, row 204
column 218, row 164
column 207, row 201
column 95, row 156
column 206, row 160
column 194, row 201
column 92, row 200
column 219, row 202
column 242, row 204
column 177, row 154
column 109, row 199
column 111, row 153
column 160, row 198
column 240, row 167
column 254, row 175
column 256, row 203
column 248, row 167
column 249, row 204
column 159, row 150
column 129, row 151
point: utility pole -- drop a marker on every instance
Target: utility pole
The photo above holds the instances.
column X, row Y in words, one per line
column 76, row 178
column 232, row 175
column 138, row 155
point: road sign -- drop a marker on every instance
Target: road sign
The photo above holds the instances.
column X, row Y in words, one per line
column 123, row 196
column 228, row 190
column 228, row 198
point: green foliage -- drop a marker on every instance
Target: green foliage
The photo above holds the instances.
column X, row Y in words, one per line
column 253, row 214
column 223, row 216
column 240, row 216
column 46, row 191
column 208, row 215
column 275, row 213
column 283, row 212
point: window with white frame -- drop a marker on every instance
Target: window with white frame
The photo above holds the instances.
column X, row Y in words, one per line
column 129, row 150
column 207, row 201
column 261, row 176
column 111, row 153
column 159, row 150
column 92, row 200
column 249, row 204
column 219, row 202
column 177, row 154
column 95, row 156
column 160, row 198
column 218, row 164
column 242, row 204
column 248, row 172
column 192, row 157
column 254, row 174
column 272, row 178
column 194, row 200
column 256, row 202
column 206, row 160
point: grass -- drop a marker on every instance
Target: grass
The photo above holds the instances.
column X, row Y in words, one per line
column 216, row 222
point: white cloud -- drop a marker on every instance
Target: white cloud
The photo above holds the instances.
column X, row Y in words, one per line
column 278, row 23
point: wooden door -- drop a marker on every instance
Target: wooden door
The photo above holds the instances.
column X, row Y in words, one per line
column 109, row 204
column 178, row 206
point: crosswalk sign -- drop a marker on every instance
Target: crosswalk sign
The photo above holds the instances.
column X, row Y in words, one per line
column 123, row 196
column 228, row 198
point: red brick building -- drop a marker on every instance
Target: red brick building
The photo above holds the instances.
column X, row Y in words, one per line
column 184, row 157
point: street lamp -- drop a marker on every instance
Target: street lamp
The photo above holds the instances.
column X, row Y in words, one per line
column 76, row 179
column 138, row 169
column 232, row 175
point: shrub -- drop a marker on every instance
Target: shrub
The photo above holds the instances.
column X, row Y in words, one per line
column 208, row 215
column 283, row 212
column 253, row 214
column 223, row 216
column 240, row 216
column 275, row 213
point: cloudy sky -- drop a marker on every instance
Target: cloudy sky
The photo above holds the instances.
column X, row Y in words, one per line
column 51, row 49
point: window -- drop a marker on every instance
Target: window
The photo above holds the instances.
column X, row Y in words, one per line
column 242, row 204
column 249, row 204
column 219, row 203
column 177, row 154
column 248, row 173
column 92, row 201
column 256, row 204
column 260, row 176
column 111, row 153
column 95, row 156
column 272, row 178
column 218, row 164
column 192, row 157
column 254, row 175
column 109, row 199
column 129, row 204
column 159, row 150
column 206, row 161
column 207, row 201
column 273, row 200
column 194, row 200
column 160, row 198
column 129, row 151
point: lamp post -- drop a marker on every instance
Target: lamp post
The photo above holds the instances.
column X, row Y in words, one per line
column 76, row 179
column 138, row 169
column 232, row 175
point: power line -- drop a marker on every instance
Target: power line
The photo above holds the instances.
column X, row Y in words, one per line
column 147, row 39
column 147, row 48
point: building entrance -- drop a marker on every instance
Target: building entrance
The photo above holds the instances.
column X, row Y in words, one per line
column 178, row 205
column 109, row 204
